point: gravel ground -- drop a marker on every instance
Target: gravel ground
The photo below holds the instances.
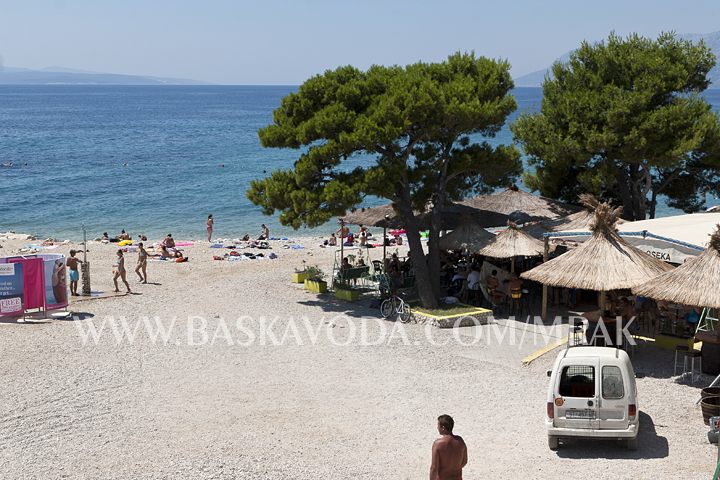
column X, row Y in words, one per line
column 265, row 399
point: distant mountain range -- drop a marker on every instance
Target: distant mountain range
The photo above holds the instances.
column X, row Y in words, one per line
column 712, row 40
column 70, row 76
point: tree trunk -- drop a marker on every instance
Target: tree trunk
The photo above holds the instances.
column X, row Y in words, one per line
column 653, row 203
column 423, row 278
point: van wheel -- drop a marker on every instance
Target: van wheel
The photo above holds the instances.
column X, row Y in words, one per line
column 553, row 442
column 632, row 443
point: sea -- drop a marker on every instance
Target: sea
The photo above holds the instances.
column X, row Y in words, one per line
column 151, row 159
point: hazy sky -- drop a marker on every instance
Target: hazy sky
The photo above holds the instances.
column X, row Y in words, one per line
column 284, row 42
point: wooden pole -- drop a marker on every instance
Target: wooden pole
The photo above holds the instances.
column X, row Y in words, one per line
column 546, row 254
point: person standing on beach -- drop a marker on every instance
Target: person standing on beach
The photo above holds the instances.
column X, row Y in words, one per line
column 210, row 222
column 119, row 271
column 72, row 264
column 449, row 453
column 142, row 263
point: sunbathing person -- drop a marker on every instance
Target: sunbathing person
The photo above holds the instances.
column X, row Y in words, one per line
column 168, row 242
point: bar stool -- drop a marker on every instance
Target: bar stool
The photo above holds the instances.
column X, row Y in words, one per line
column 692, row 355
column 516, row 295
column 683, row 350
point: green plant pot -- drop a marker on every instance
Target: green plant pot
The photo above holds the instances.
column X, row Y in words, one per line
column 347, row 294
column 316, row 286
column 299, row 277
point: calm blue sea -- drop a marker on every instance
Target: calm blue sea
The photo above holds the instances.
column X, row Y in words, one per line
column 77, row 140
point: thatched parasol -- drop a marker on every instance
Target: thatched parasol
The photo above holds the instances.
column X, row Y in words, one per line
column 453, row 216
column 603, row 263
column 693, row 283
column 521, row 206
column 467, row 236
column 512, row 242
column 374, row 216
column 575, row 222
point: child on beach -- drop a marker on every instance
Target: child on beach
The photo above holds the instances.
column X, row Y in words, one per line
column 210, row 223
column 142, row 263
column 72, row 264
column 119, row 271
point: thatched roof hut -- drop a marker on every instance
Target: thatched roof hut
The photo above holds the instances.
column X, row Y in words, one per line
column 512, row 242
column 575, row 222
column 693, row 283
column 454, row 215
column 521, row 206
column 467, row 236
column 603, row 263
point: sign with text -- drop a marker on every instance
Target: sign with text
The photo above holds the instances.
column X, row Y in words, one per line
column 11, row 289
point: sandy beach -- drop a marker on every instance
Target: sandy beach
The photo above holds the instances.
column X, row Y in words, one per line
column 260, row 379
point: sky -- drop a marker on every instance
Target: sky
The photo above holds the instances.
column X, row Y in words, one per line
column 284, row 42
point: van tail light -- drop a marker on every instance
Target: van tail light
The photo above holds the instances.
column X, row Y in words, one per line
column 632, row 410
column 550, row 410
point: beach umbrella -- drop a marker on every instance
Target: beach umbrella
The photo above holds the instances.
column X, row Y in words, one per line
column 521, row 206
column 693, row 283
column 512, row 242
column 604, row 262
column 467, row 236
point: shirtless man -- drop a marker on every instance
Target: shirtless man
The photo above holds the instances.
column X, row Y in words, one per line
column 72, row 265
column 449, row 453
column 141, row 268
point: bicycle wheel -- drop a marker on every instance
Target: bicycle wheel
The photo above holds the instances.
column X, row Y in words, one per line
column 404, row 313
column 387, row 307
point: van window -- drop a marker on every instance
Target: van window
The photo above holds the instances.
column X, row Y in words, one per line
column 577, row 381
column 612, row 383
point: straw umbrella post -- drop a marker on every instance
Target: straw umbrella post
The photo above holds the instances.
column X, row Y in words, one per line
column 512, row 242
column 603, row 263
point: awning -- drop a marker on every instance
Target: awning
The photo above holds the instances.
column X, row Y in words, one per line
column 672, row 239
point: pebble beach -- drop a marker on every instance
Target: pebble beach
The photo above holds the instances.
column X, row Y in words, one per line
column 261, row 379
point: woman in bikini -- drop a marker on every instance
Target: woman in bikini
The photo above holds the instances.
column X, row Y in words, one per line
column 141, row 268
column 210, row 222
column 119, row 271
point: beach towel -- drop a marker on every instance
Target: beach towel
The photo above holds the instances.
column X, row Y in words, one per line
column 125, row 243
column 184, row 244
column 217, row 245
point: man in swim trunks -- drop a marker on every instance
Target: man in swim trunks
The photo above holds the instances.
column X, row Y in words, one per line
column 449, row 453
column 72, row 264
column 142, row 263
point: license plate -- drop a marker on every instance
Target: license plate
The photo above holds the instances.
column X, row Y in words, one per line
column 586, row 414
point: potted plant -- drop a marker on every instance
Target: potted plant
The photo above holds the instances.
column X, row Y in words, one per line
column 300, row 275
column 344, row 291
column 314, row 281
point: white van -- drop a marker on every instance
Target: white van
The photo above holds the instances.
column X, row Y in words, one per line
column 592, row 393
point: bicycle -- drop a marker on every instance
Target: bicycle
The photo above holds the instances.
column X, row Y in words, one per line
column 396, row 305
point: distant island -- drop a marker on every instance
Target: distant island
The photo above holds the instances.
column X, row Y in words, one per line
column 712, row 40
column 69, row 76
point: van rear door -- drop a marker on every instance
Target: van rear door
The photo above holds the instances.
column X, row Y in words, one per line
column 577, row 394
column 613, row 411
